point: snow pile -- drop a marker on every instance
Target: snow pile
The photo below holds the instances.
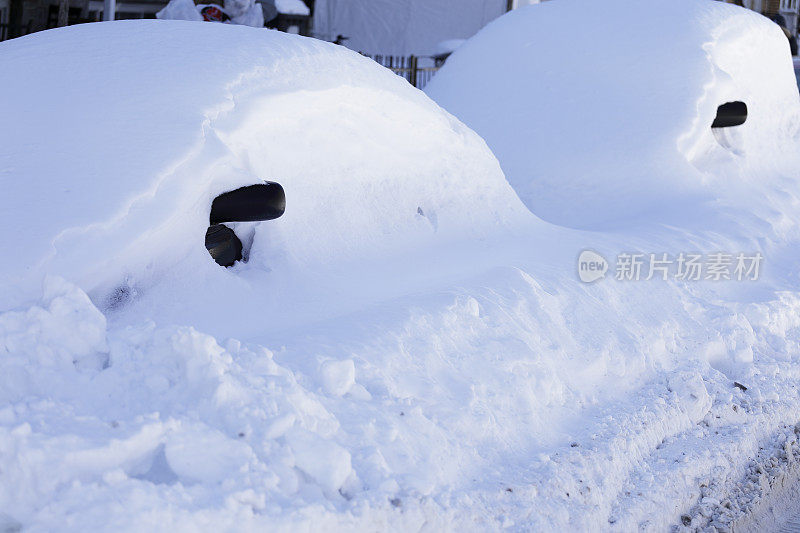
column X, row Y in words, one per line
column 292, row 7
column 594, row 123
column 368, row 163
column 415, row 349
column 111, row 407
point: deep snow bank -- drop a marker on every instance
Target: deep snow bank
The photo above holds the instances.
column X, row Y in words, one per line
column 446, row 385
column 596, row 115
column 117, row 151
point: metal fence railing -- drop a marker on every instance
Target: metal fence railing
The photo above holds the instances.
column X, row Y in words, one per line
column 5, row 26
column 408, row 67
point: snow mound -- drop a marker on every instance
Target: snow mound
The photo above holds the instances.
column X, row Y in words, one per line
column 129, row 388
column 596, row 116
column 416, row 349
column 118, row 151
column 292, row 7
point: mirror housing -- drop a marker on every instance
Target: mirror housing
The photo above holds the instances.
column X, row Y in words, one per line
column 730, row 114
column 223, row 245
column 264, row 201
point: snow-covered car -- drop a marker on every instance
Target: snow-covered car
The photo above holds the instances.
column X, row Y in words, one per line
column 407, row 347
column 115, row 174
column 636, row 101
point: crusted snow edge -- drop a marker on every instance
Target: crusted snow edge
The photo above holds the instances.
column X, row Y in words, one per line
column 762, row 498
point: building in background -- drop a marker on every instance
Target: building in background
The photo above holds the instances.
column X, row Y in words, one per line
column 385, row 27
column 788, row 9
column 293, row 16
column 402, row 27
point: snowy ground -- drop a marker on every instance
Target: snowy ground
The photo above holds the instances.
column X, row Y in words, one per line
column 409, row 347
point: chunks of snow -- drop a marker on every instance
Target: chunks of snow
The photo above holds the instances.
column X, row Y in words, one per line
column 337, row 376
column 170, row 405
column 206, row 456
column 693, row 397
column 326, row 462
column 45, row 342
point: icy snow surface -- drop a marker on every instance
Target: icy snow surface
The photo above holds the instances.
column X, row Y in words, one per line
column 408, row 347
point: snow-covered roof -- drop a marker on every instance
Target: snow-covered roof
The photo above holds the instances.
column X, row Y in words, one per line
column 292, row 7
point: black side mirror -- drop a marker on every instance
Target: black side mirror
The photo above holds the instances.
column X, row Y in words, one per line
column 730, row 114
column 223, row 245
column 265, row 201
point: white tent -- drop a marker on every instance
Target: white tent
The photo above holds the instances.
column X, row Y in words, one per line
column 402, row 27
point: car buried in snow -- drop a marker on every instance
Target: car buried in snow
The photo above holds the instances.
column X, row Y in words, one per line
column 592, row 129
column 118, row 182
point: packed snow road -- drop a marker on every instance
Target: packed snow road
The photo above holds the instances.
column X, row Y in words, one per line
column 410, row 346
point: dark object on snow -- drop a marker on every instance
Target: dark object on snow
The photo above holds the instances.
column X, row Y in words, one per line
column 739, row 385
column 440, row 59
column 781, row 21
column 730, row 114
column 340, row 39
column 269, row 9
column 264, row 201
column 223, row 245
column 214, row 13
column 790, row 37
column 792, row 41
column 778, row 19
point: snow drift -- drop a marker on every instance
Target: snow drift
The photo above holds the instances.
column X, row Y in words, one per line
column 414, row 347
column 594, row 122
column 115, row 190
